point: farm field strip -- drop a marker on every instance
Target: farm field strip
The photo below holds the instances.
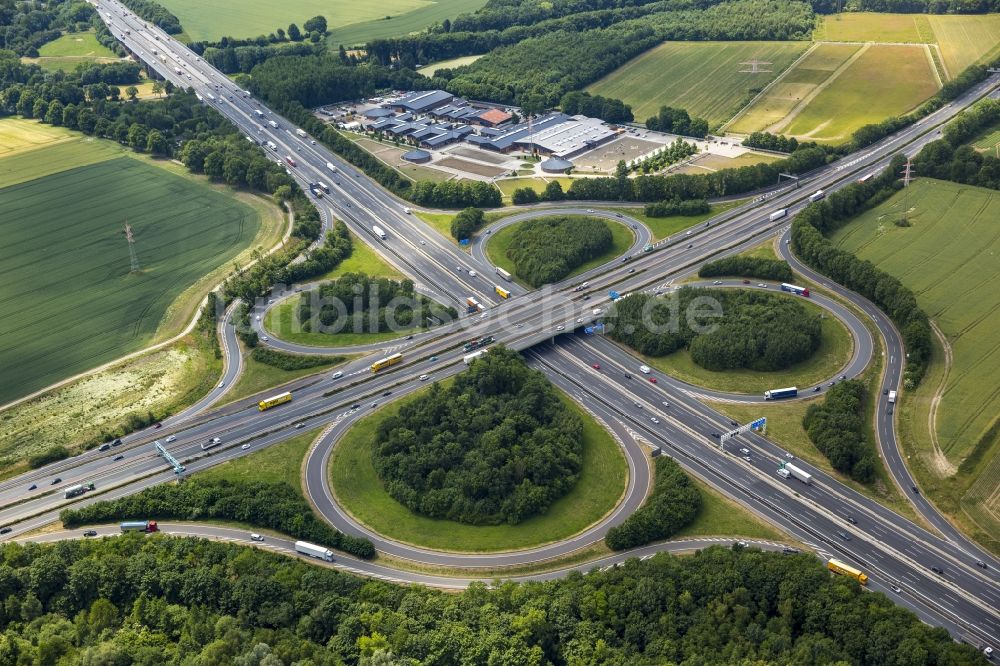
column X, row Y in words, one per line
column 965, row 40
column 382, row 26
column 57, row 155
column 65, row 263
column 674, row 74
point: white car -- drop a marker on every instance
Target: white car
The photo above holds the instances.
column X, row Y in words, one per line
column 560, row 327
column 171, row 438
column 472, row 273
column 300, row 425
column 745, row 451
column 644, row 369
column 337, row 375
column 221, row 384
column 264, row 338
column 717, row 282
column 424, row 378
column 590, row 210
column 256, row 537
column 654, row 419
column 245, row 447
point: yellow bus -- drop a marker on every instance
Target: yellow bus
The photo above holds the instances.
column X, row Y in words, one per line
column 501, row 292
column 386, row 362
column 279, row 399
column 838, row 567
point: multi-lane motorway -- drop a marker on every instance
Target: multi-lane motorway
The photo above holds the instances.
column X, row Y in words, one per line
column 894, row 550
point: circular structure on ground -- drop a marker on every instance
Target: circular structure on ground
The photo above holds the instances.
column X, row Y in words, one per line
column 556, row 165
column 417, row 156
column 360, row 493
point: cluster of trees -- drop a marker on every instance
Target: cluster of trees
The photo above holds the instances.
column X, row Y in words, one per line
column 256, row 281
column 673, row 504
column 26, row 26
column 887, row 292
column 595, row 106
column 744, row 266
column 497, row 446
column 527, row 195
column 160, row 600
column 155, row 13
column 910, row 6
column 675, row 152
column 722, row 329
column 283, row 361
column 837, row 428
column 358, row 303
column 949, row 159
column 674, row 207
column 548, row 249
column 677, row 121
column 768, row 141
column 466, row 223
column 456, row 194
column 275, row 506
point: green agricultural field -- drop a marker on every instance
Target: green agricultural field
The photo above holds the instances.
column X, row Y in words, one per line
column 394, row 24
column 965, row 40
column 793, row 87
column 496, row 249
column 24, row 165
column 360, row 491
column 989, row 142
column 448, row 64
column 77, row 45
column 883, row 81
column 72, row 303
column 875, row 27
column 703, row 77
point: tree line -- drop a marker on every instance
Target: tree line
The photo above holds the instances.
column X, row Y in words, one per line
column 275, row 506
column 546, row 250
column 744, row 266
column 949, row 158
column 674, row 152
column 285, row 361
column 767, row 141
column 837, row 428
column 677, row 121
column 150, row 600
column 608, row 109
column 887, row 292
column 157, row 14
column 674, row 207
column 673, row 504
column 497, row 446
column 723, row 329
column 359, row 303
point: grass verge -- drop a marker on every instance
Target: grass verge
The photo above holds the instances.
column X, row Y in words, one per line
column 280, row 463
column 282, row 322
column 258, row 376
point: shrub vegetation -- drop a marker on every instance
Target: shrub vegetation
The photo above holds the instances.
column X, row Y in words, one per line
column 548, row 249
column 674, row 503
column 837, row 428
column 743, row 266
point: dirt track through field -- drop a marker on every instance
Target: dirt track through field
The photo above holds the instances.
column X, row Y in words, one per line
column 938, row 460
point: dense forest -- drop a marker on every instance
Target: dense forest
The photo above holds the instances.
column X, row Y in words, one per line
column 158, row 600
column 497, row 446
column 724, row 329
column 949, row 158
column 26, row 26
column 546, row 250
column 276, row 506
column 359, row 303
column 673, row 504
column 837, row 428
column 886, row 291
column 743, row 266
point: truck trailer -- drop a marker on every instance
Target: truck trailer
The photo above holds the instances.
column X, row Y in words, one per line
column 139, row 526
column 312, row 550
column 329, row 165
column 504, row 274
column 892, row 397
column 790, row 470
column 78, row 489
column 817, row 195
column 472, row 305
column 777, row 394
column 778, row 214
column 473, row 356
column 378, row 232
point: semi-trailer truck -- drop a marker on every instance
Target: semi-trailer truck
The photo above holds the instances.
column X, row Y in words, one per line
column 844, row 569
column 329, row 165
column 504, row 274
column 790, row 470
column 78, row 489
column 378, row 232
column 139, row 526
column 323, row 186
column 301, row 132
column 312, row 550
column 892, row 397
column 817, row 195
column 473, row 356
column 778, row 214
column 472, row 305
column 795, row 289
column 478, row 343
column 777, row 394
column 272, row 124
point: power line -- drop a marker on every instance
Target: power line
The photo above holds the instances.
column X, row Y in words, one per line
column 756, row 67
column 133, row 259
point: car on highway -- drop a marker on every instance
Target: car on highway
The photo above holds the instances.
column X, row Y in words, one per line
column 787, row 550
column 734, row 424
column 762, row 285
column 637, row 405
column 221, row 384
column 245, row 447
column 596, row 366
column 90, row 533
column 374, row 404
column 386, row 394
column 852, row 520
column 717, row 282
column 745, row 451
column 915, row 489
column 118, row 457
column 654, row 419
column 981, row 564
column 665, row 403
column 938, row 570
column 652, row 380
column 171, row 438
column 424, row 378
column 104, row 447
column 895, row 588
column 590, row 210
column 117, row 442
column 690, row 245
column 843, row 535
column 55, row 481
column 33, row 486
column 746, row 281
column 337, row 375
column 631, row 270
column 356, row 406
column 716, row 435
column 6, row 530
column 560, row 327
column 256, row 537
column 264, row 338
column 817, row 389
column 300, row 425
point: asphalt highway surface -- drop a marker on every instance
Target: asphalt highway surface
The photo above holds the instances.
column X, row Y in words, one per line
column 889, row 547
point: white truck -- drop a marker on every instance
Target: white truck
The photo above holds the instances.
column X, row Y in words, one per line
column 892, row 397
column 301, row 132
column 323, row 186
column 778, row 214
column 378, row 232
column 312, row 550
column 258, row 113
column 817, row 195
column 790, row 470
column 329, row 165
column 272, row 145
column 272, row 124
column 473, row 356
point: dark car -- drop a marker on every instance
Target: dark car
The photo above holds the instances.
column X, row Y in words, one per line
column 386, row 393
column 409, row 337
column 117, row 442
column 104, row 447
column 716, row 435
column 981, row 564
column 32, row 486
column 746, row 281
column 938, row 570
column 158, row 426
column 6, row 530
column 734, row 424
column 356, row 406
column 628, row 376
column 790, row 551
column 817, row 389
column 55, row 481
column 90, row 533
column 885, row 391
column 915, row 489
column 844, row 535
column 852, row 520
column 118, row 457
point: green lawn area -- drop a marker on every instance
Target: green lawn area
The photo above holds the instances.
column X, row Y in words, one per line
column 65, row 232
column 280, row 463
column 282, row 323
column 874, row 27
column 667, row 226
column 77, row 44
column 622, row 238
column 948, row 258
column 834, row 352
column 257, row 377
column 508, row 185
column 392, row 24
column 884, row 81
column 448, row 64
column 360, row 491
column 703, row 77
column 721, row 516
column 363, row 259
column 440, row 221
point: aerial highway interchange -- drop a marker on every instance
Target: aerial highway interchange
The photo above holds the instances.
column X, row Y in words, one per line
column 895, row 552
